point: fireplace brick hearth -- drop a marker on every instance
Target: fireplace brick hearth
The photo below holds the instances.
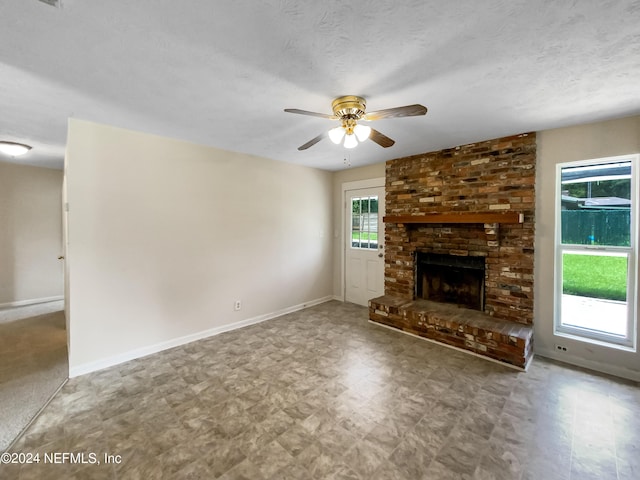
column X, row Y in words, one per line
column 507, row 342
column 467, row 182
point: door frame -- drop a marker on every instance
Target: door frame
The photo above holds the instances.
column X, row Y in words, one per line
column 346, row 186
column 65, row 255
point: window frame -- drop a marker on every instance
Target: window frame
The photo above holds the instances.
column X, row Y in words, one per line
column 627, row 342
column 370, row 245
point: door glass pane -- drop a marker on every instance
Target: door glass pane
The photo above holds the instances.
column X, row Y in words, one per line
column 596, row 204
column 373, row 222
column 355, row 222
column 594, row 291
column 364, row 222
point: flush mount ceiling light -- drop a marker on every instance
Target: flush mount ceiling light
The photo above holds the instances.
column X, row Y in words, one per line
column 53, row 3
column 351, row 109
column 13, row 149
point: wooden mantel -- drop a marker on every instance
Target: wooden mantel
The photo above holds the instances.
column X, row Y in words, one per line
column 463, row 217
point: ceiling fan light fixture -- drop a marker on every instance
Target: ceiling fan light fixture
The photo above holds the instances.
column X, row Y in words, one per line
column 362, row 132
column 349, row 110
column 350, row 141
column 336, row 134
column 13, row 149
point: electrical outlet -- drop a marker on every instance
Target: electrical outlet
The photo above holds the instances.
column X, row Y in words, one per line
column 560, row 348
column 237, row 306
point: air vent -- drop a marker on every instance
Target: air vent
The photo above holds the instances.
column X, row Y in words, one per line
column 53, row 3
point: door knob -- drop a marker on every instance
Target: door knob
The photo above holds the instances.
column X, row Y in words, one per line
column 380, row 255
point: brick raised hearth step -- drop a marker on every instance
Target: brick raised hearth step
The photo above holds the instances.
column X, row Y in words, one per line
column 463, row 328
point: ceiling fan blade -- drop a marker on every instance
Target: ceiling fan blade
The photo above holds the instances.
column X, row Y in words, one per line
column 313, row 141
column 381, row 139
column 406, row 111
column 312, row 114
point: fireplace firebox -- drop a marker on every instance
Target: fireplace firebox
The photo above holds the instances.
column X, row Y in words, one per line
column 451, row 279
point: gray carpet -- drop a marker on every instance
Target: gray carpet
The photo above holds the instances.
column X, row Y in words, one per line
column 33, row 364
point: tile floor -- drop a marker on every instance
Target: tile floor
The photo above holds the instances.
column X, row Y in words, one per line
column 323, row 394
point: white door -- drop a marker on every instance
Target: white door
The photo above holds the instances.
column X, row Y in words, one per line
column 364, row 257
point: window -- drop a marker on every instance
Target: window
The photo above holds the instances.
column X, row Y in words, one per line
column 596, row 250
column 364, row 222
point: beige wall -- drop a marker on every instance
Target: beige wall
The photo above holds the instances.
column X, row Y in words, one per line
column 605, row 139
column 30, row 234
column 339, row 178
column 165, row 235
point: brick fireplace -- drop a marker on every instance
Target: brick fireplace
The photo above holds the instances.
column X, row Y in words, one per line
column 460, row 225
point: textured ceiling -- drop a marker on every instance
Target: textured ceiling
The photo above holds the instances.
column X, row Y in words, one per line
column 221, row 73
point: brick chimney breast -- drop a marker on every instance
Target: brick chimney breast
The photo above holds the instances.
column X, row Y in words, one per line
column 492, row 176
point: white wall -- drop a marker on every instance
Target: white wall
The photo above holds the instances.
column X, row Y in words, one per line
column 30, row 234
column 165, row 235
column 604, row 139
column 350, row 175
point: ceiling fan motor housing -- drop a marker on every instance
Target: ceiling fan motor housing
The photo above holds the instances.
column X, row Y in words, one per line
column 349, row 107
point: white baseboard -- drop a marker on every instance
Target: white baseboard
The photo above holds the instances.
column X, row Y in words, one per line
column 33, row 301
column 176, row 342
column 339, row 298
column 590, row 364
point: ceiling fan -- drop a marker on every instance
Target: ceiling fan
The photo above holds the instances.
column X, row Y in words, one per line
column 349, row 110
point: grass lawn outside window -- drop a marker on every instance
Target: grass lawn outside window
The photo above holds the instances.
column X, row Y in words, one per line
column 596, row 276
